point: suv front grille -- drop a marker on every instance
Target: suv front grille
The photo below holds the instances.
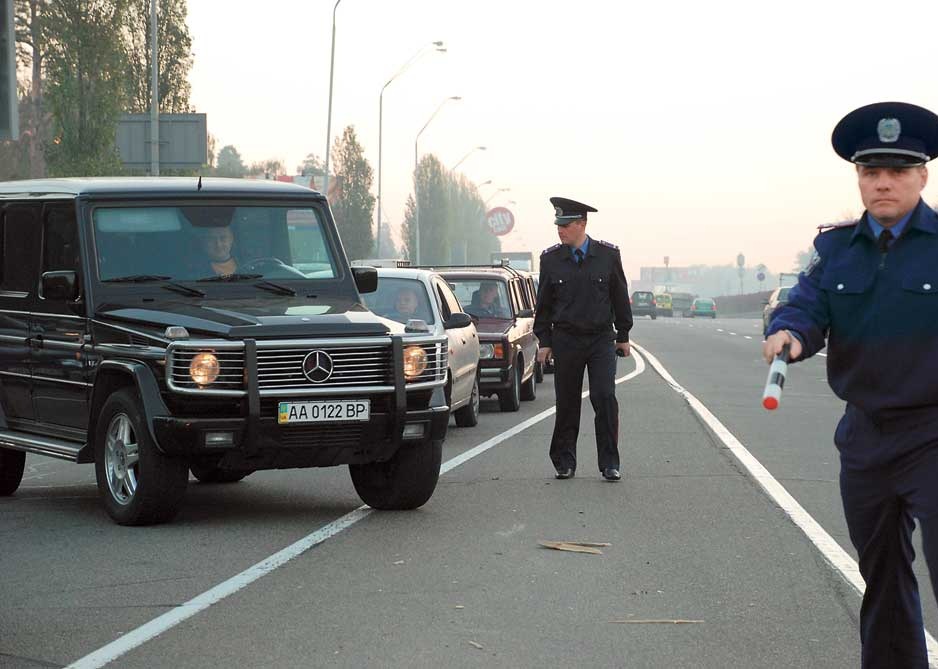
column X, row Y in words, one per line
column 279, row 368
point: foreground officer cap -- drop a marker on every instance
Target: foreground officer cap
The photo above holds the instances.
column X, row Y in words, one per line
column 887, row 134
column 568, row 211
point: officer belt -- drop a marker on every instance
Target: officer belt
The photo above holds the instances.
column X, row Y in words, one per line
column 579, row 330
column 899, row 420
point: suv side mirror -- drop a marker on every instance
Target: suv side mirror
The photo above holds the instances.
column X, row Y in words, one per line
column 60, row 285
column 526, row 313
column 457, row 320
column 366, row 279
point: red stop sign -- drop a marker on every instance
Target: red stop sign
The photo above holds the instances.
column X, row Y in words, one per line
column 500, row 221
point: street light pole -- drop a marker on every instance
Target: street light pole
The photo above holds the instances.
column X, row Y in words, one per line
column 325, row 179
column 154, row 94
column 437, row 46
column 417, row 180
column 500, row 190
column 463, row 159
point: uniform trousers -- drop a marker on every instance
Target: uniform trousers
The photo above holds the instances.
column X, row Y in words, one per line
column 572, row 355
column 889, row 480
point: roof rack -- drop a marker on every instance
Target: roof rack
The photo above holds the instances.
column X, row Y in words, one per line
column 502, row 264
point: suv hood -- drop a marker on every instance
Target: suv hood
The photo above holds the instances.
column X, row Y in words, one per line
column 238, row 318
column 493, row 326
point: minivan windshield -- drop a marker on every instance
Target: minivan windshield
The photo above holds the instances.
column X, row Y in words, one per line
column 210, row 243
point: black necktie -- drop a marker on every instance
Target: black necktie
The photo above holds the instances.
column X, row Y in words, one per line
column 885, row 237
column 578, row 254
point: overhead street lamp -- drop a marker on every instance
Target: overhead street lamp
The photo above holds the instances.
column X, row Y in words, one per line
column 436, row 46
column 500, row 190
column 325, row 179
column 417, row 180
column 463, row 159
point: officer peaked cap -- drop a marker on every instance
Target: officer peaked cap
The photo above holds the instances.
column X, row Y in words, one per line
column 567, row 210
column 887, row 134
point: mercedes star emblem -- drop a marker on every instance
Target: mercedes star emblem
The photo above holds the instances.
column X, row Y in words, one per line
column 318, row 366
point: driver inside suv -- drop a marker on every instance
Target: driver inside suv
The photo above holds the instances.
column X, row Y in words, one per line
column 217, row 244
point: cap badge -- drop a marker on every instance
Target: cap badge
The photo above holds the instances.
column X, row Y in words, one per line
column 888, row 130
column 558, row 211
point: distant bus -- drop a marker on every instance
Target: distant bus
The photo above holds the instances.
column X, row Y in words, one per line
column 523, row 260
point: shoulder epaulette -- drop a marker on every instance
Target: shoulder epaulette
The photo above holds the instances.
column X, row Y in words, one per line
column 609, row 244
column 827, row 227
column 552, row 248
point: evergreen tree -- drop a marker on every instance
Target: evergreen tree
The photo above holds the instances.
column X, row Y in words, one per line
column 229, row 163
column 174, row 53
column 353, row 204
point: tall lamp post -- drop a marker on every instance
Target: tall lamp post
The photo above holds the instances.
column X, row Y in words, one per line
column 325, row 179
column 500, row 190
column 463, row 159
column 436, row 46
column 417, row 180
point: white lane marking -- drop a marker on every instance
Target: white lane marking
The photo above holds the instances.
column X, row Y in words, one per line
column 173, row 617
column 747, row 337
column 733, row 333
column 836, row 556
column 719, row 329
column 823, row 355
column 520, row 427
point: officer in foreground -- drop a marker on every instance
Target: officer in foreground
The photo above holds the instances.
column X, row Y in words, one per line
column 582, row 293
column 872, row 291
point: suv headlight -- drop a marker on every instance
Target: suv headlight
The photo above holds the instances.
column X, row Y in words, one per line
column 487, row 351
column 415, row 362
column 204, row 369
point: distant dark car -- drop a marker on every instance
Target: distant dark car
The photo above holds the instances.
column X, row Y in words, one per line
column 644, row 304
column 703, row 306
column 778, row 297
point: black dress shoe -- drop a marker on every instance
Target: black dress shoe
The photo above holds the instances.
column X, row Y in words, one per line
column 565, row 473
column 611, row 474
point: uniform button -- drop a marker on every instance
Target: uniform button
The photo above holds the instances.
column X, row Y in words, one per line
column 840, row 286
column 926, row 286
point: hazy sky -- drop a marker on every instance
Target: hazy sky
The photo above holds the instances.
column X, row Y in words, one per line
column 698, row 129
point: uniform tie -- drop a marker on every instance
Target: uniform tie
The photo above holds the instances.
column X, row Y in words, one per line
column 578, row 254
column 885, row 239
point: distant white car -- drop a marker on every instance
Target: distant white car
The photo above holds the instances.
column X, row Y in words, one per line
column 406, row 294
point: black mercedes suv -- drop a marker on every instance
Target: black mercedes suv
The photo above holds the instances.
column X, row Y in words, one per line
column 160, row 326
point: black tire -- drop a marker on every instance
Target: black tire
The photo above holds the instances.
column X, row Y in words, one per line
column 510, row 398
column 150, row 490
column 406, row 481
column 12, row 464
column 529, row 389
column 538, row 372
column 468, row 416
column 214, row 474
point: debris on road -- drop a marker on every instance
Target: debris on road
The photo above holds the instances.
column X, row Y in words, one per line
column 591, row 547
column 669, row 621
column 477, row 645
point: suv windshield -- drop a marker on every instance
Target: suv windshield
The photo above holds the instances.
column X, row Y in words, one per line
column 482, row 298
column 210, row 243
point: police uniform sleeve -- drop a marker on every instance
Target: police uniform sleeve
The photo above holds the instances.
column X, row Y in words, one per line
column 806, row 315
column 619, row 292
column 544, row 309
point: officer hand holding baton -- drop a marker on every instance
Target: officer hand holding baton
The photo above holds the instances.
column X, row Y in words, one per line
column 778, row 350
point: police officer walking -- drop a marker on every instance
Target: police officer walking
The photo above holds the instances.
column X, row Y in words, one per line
column 872, row 292
column 582, row 293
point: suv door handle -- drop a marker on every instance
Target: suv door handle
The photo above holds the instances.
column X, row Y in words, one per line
column 35, row 342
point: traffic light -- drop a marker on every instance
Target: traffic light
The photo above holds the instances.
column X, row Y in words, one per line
column 9, row 118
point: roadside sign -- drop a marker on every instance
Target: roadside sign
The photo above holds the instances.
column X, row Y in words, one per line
column 500, row 221
column 760, row 276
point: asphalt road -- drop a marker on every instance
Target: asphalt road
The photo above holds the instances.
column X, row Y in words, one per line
column 463, row 581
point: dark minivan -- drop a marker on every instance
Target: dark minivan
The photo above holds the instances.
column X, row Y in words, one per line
column 644, row 304
column 155, row 327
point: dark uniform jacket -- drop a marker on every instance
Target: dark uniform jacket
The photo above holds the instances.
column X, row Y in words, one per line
column 878, row 311
column 585, row 299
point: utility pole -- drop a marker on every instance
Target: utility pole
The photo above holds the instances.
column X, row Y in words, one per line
column 154, row 95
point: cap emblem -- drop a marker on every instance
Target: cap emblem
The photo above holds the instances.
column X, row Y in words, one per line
column 888, row 130
column 558, row 211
